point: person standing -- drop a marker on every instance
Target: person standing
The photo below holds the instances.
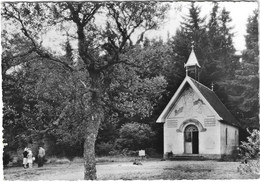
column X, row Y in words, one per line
column 30, row 158
column 25, row 157
column 41, row 154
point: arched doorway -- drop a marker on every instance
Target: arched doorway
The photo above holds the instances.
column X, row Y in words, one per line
column 191, row 140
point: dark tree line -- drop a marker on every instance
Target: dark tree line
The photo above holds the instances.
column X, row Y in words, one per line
column 244, row 93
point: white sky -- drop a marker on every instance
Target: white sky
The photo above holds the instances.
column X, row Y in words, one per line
column 239, row 12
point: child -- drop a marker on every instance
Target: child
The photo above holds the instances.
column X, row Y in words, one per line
column 25, row 157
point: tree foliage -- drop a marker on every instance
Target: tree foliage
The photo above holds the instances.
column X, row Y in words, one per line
column 250, row 152
column 73, row 92
column 135, row 136
column 251, row 147
column 244, row 95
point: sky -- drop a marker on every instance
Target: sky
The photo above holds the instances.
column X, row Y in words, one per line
column 239, row 12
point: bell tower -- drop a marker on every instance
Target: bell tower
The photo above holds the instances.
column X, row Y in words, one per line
column 192, row 66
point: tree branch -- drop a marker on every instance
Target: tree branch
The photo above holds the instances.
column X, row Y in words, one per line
column 36, row 48
column 117, row 62
column 88, row 16
column 62, row 114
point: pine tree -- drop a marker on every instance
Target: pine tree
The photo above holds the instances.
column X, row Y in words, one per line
column 246, row 82
column 222, row 50
column 227, row 49
column 221, row 61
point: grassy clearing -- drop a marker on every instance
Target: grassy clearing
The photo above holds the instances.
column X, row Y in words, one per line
column 115, row 159
column 122, row 168
column 103, row 159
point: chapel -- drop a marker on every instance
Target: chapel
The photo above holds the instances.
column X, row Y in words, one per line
column 195, row 121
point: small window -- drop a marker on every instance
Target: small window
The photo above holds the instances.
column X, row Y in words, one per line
column 236, row 137
column 226, row 136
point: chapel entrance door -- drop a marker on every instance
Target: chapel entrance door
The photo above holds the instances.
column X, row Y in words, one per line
column 191, row 140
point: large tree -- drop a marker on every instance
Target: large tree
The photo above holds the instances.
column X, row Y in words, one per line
column 245, row 85
column 103, row 74
column 221, row 61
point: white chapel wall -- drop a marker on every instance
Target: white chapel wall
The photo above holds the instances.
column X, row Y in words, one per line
column 231, row 141
column 190, row 106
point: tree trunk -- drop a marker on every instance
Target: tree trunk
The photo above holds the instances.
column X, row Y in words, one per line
column 92, row 127
column 92, row 124
column 89, row 148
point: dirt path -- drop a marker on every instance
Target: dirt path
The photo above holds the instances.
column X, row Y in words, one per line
column 154, row 169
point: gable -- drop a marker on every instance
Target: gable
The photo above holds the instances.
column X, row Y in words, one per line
column 186, row 83
column 189, row 104
column 207, row 96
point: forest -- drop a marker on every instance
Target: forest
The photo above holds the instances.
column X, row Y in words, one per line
column 102, row 94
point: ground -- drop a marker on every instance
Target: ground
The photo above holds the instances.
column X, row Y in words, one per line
column 152, row 169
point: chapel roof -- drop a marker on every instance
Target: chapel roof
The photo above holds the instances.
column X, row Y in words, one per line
column 215, row 102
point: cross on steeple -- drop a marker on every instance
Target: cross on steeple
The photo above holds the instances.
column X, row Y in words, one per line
column 212, row 86
column 192, row 44
column 192, row 66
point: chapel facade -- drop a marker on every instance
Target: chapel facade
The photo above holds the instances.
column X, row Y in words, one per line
column 195, row 121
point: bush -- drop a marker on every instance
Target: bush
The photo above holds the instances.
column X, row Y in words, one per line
column 6, row 159
column 251, row 148
column 56, row 160
column 134, row 137
column 250, row 152
column 151, row 152
column 114, row 152
column 129, row 153
column 104, row 148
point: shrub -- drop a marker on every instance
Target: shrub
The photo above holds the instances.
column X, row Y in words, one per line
column 127, row 152
column 134, row 136
column 251, row 148
column 104, row 148
column 56, row 160
column 114, row 152
column 151, row 152
column 250, row 152
column 6, row 159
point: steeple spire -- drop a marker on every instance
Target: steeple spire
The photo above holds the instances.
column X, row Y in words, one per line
column 192, row 66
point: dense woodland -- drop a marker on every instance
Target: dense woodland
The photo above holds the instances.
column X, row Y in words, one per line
column 104, row 96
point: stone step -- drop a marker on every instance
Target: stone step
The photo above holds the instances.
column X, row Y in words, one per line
column 187, row 157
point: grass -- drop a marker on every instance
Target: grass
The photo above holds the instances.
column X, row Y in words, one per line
column 122, row 168
column 115, row 159
column 99, row 159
